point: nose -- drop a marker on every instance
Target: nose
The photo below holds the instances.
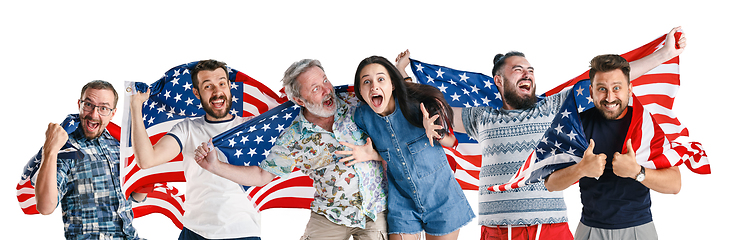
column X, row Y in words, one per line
column 611, row 96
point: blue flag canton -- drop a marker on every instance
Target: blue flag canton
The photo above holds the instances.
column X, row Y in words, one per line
column 68, row 151
column 172, row 98
column 461, row 88
column 566, row 135
column 250, row 143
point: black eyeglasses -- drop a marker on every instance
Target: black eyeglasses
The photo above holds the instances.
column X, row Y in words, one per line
column 102, row 110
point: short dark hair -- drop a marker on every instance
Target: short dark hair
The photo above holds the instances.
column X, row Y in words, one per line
column 500, row 59
column 100, row 84
column 607, row 63
column 207, row 65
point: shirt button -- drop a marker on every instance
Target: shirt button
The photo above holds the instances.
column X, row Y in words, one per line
column 397, row 149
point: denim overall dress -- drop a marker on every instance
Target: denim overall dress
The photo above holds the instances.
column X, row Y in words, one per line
column 423, row 192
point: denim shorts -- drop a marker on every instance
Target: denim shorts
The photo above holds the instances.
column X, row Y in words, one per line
column 440, row 207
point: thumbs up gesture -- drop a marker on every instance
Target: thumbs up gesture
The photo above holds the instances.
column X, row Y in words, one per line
column 625, row 165
column 592, row 165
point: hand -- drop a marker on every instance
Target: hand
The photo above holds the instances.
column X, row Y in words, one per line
column 671, row 44
column 206, row 157
column 402, row 61
column 56, row 138
column 136, row 100
column 625, row 165
column 429, row 125
column 358, row 154
column 592, row 165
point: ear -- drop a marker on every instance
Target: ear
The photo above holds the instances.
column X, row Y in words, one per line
column 195, row 93
column 298, row 101
column 114, row 111
column 499, row 82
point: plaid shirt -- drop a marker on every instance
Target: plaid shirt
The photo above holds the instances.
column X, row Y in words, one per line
column 90, row 192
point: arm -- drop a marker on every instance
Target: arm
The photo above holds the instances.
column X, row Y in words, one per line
column 591, row 165
column 46, row 189
column 244, row 175
column 667, row 52
column 667, row 180
column 147, row 155
column 402, row 61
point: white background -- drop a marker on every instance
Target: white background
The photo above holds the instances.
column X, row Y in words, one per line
column 49, row 50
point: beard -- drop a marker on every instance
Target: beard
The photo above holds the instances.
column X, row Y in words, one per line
column 92, row 135
column 210, row 111
column 513, row 99
column 318, row 109
column 612, row 115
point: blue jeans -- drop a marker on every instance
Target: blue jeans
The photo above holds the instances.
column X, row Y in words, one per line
column 186, row 234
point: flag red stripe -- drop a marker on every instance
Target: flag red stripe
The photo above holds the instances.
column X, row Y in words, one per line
column 155, row 178
column 288, row 202
column 150, row 209
column 292, row 182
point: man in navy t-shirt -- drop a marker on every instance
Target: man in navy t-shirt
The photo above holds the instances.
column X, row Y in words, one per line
column 614, row 187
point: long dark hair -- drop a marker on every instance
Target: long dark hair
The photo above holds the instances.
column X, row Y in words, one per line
column 410, row 95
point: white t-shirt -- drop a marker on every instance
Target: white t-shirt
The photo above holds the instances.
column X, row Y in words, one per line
column 215, row 207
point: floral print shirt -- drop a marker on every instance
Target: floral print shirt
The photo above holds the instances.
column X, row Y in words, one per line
column 344, row 195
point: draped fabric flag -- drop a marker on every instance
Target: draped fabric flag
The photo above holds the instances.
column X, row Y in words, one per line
column 171, row 100
column 564, row 143
column 25, row 191
column 655, row 90
column 249, row 143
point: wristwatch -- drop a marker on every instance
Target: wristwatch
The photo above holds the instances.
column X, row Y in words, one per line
column 641, row 175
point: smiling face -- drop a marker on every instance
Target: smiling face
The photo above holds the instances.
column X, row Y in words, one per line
column 92, row 123
column 316, row 93
column 516, row 83
column 214, row 91
column 611, row 92
column 376, row 89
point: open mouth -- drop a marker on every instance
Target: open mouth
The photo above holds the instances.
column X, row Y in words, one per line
column 91, row 126
column 611, row 106
column 525, row 85
column 328, row 102
column 218, row 103
column 377, row 99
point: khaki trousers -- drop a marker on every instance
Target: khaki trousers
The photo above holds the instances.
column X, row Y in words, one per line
column 320, row 228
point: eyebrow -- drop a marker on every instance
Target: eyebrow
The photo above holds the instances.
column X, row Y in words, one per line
column 366, row 75
column 88, row 100
column 519, row 66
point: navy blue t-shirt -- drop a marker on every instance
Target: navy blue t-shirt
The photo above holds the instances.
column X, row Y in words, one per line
column 611, row 202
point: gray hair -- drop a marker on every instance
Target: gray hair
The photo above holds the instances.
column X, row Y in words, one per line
column 289, row 81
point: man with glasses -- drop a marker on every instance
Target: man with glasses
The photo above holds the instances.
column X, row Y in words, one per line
column 88, row 187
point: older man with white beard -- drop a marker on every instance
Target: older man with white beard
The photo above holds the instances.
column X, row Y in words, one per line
column 349, row 201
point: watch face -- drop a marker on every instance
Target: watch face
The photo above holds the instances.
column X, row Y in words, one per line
column 640, row 177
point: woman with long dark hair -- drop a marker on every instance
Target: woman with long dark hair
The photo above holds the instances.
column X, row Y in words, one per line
column 423, row 192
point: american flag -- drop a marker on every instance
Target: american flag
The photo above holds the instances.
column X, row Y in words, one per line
column 171, row 100
column 655, row 90
column 25, row 190
column 564, row 143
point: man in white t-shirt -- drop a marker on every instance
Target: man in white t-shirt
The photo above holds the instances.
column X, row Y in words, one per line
column 215, row 207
